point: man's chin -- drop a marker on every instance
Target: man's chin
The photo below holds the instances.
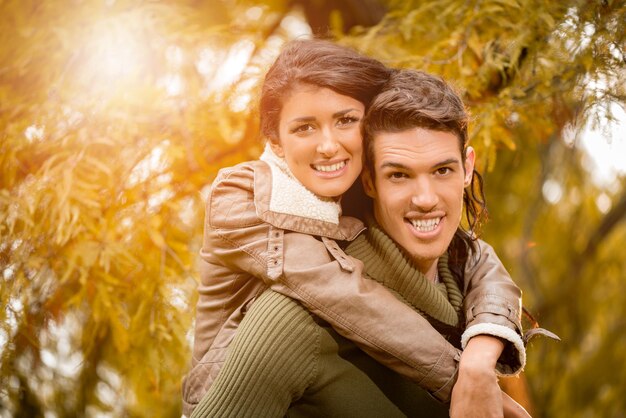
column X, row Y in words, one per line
column 426, row 253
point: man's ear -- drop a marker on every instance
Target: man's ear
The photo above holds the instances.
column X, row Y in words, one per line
column 277, row 148
column 470, row 159
column 368, row 183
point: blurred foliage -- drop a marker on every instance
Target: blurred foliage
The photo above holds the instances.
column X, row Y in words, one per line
column 115, row 115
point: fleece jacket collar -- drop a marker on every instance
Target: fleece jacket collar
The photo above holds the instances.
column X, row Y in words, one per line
column 285, row 203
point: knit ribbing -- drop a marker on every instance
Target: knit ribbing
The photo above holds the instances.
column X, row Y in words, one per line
column 277, row 349
column 386, row 263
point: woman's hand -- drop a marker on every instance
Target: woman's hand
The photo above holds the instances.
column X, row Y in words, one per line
column 476, row 392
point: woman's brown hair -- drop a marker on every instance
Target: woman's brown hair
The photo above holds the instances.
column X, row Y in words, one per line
column 322, row 64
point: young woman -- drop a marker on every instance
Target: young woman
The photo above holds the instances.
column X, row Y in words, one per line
column 276, row 223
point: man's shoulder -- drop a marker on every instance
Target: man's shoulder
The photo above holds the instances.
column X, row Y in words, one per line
column 481, row 252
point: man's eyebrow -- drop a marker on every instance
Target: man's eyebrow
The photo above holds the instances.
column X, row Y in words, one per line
column 400, row 166
column 449, row 161
column 392, row 164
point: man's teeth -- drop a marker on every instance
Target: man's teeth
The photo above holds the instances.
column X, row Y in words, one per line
column 328, row 168
column 425, row 225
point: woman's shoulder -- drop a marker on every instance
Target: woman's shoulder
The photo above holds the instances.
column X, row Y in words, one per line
column 238, row 182
column 242, row 174
column 232, row 194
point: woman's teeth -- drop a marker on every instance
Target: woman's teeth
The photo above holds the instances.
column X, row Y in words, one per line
column 329, row 168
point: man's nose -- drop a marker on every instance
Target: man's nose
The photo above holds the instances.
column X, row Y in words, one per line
column 425, row 196
column 328, row 145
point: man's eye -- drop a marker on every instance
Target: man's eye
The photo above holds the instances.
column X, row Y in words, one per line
column 397, row 175
column 347, row 120
column 307, row 127
column 442, row 171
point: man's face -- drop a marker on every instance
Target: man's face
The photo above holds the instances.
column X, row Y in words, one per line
column 418, row 190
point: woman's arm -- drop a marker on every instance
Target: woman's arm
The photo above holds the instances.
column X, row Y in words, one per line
column 476, row 392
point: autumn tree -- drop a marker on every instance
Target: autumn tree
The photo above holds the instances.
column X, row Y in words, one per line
column 116, row 115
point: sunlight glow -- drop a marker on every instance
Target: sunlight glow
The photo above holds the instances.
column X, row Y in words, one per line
column 606, row 146
column 296, row 26
column 157, row 199
column 240, row 102
column 221, row 69
column 114, row 52
column 174, row 56
column 173, row 84
column 34, row 133
column 4, row 339
column 603, row 202
column 107, row 390
column 254, row 13
column 153, row 163
column 65, row 360
column 8, row 272
column 552, row 191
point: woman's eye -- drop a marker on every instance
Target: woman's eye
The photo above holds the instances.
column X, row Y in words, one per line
column 347, row 120
column 307, row 127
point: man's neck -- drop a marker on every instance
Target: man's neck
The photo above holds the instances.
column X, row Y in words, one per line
column 429, row 269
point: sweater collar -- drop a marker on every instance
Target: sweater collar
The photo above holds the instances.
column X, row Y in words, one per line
column 387, row 263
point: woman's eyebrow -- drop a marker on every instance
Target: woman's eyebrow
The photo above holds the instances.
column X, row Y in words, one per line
column 312, row 118
column 342, row 112
column 303, row 119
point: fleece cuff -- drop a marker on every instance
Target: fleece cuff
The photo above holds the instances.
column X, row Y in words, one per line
column 505, row 333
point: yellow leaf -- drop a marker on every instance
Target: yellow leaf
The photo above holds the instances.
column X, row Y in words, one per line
column 157, row 238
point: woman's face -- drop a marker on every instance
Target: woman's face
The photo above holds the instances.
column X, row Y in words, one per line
column 320, row 138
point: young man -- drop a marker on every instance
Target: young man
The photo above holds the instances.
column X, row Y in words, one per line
column 419, row 175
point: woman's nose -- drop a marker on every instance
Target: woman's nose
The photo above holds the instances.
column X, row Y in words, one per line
column 328, row 146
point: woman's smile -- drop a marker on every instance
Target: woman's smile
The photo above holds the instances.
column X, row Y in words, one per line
column 331, row 168
column 320, row 138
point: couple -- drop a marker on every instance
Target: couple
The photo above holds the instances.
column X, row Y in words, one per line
column 289, row 285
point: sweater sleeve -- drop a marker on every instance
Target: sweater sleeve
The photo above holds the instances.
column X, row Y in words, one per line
column 271, row 361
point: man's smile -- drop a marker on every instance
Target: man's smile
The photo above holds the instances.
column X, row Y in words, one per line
column 425, row 225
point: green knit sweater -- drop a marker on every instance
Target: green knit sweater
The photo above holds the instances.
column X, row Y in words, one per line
column 284, row 356
column 388, row 264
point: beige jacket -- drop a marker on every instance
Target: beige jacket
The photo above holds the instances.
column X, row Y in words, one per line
column 261, row 231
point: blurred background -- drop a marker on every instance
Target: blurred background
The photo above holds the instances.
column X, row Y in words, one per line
column 116, row 115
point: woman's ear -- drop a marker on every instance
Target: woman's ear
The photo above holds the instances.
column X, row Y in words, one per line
column 277, row 148
column 368, row 183
column 470, row 159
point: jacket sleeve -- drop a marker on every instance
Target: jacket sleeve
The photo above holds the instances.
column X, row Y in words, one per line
column 329, row 284
column 493, row 307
